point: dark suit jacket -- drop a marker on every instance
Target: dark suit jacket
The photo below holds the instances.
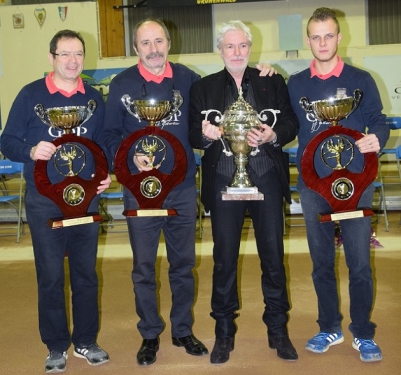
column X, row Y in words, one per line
column 269, row 93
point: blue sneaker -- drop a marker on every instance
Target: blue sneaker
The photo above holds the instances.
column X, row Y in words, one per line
column 323, row 340
column 370, row 351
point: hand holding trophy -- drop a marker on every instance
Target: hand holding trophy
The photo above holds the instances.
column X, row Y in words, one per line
column 341, row 188
column 73, row 194
column 151, row 187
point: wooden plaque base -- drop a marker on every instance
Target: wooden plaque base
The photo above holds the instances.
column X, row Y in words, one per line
column 150, row 212
column 56, row 223
column 324, row 218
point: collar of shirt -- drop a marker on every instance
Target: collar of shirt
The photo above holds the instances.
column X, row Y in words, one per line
column 53, row 88
column 233, row 86
column 335, row 72
column 168, row 73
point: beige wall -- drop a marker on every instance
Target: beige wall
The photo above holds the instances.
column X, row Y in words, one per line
column 23, row 52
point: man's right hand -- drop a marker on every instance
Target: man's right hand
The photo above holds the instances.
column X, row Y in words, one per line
column 43, row 151
column 141, row 161
column 210, row 131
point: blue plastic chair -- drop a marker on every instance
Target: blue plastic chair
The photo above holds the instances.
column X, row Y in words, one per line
column 292, row 156
column 394, row 123
column 11, row 169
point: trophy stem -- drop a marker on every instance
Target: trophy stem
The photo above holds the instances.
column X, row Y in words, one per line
column 241, row 178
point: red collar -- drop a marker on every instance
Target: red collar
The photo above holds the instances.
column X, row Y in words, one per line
column 335, row 72
column 53, row 88
column 168, row 73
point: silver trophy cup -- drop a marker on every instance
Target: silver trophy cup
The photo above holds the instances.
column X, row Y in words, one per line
column 238, row 120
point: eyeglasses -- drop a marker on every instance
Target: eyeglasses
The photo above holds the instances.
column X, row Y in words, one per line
column 67, row 55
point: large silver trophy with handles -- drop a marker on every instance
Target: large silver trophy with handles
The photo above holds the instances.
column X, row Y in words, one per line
column 238, row 120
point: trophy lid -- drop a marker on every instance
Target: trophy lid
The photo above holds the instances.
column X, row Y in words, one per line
column 240, row 105
column 239, row 117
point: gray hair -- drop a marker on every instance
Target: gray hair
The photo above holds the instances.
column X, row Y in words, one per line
column 233, row 25
column 139, row 24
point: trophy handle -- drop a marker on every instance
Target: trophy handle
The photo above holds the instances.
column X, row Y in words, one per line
column 227, row 152
column 176, row 104
column 358, row 95
column 126, row 99
column 305, row 104
column 92, row 105
column 263, row 117
column 41, row 113
column 218, row 119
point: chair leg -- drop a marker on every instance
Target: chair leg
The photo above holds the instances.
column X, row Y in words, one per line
column 383, row 202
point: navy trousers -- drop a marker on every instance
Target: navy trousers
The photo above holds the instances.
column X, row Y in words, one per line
column 179, row 235
column 49, row 247
column 356, row 242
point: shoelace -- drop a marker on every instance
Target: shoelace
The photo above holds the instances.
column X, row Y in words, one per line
column 368, row 344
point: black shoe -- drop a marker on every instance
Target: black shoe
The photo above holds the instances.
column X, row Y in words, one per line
column 147, row 352
column 221, row 350
column 285, row 349
column 192, row 345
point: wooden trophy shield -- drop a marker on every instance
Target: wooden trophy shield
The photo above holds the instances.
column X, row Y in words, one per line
column 342, row 189
column 150, row 188
column 73, row 194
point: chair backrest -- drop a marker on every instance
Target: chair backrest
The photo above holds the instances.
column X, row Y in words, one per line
column 394, row 122
column 292, row 154
column 10, row 167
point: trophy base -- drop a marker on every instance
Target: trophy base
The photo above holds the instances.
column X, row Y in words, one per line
column 149, row 212
column 61, row 222
column 242, row 194
column 324, row 218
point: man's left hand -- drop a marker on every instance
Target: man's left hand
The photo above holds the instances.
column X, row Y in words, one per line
column 257, row 137
column 369, row 143
column 265, row 69
column 105, row 184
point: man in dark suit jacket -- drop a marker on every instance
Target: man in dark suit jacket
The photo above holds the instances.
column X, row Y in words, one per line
column 269, row 172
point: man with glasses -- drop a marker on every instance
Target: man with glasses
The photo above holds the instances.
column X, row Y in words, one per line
column 26, row 139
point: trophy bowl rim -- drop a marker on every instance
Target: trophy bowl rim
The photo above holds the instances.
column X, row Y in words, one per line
column 150, row 102
column 334, row 101
column 72, row 108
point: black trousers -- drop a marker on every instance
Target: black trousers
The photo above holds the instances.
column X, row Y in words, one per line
column 227, row 219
